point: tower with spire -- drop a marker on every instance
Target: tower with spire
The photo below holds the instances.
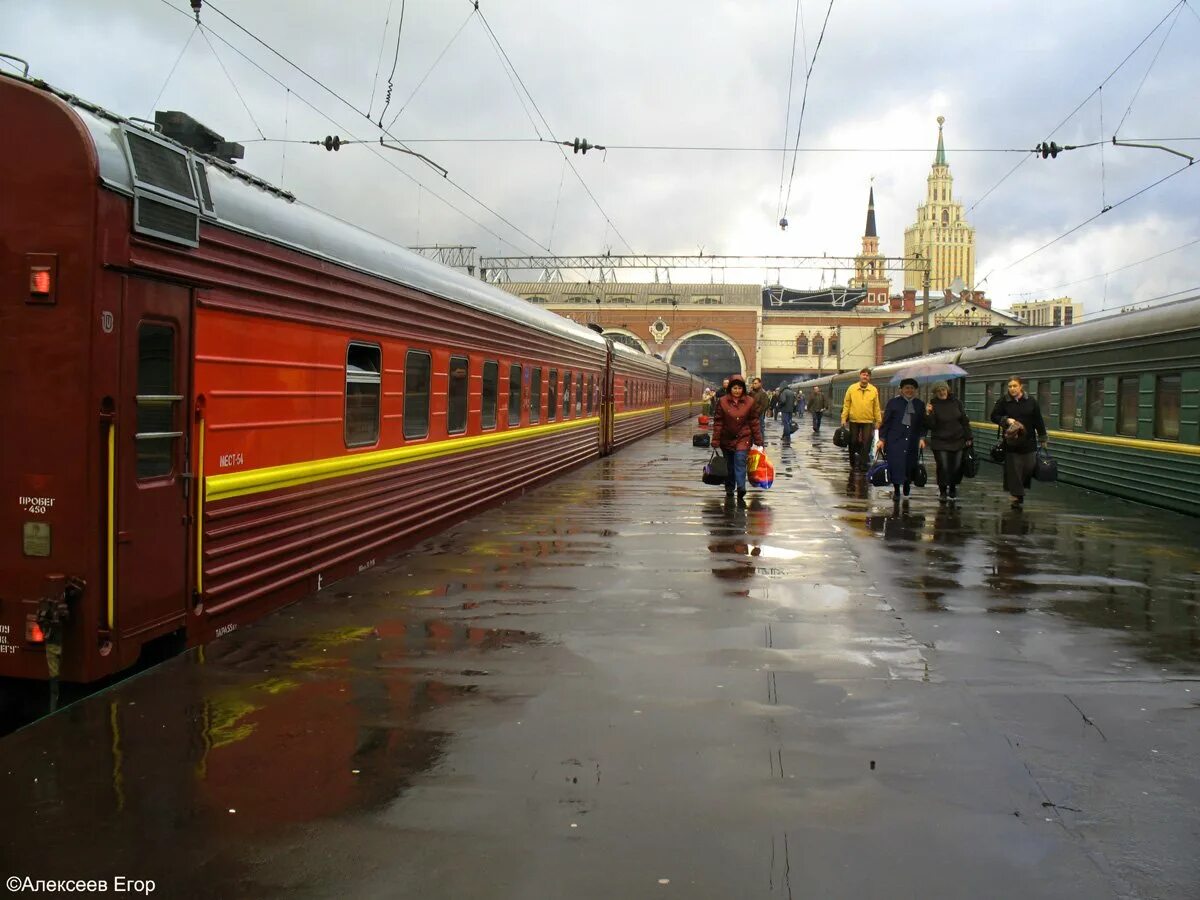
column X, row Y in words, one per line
column 868, row 265
column 941, row 234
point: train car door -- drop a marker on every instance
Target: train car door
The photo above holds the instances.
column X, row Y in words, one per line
column 608, row 403
column 152, row 475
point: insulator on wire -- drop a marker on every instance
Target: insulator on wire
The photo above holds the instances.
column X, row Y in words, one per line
column 333, row 142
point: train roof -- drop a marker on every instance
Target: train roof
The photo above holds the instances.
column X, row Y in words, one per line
column 1176, row 316
column 245, row 203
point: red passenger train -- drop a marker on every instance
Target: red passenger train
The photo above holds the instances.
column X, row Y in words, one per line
column 219, row 399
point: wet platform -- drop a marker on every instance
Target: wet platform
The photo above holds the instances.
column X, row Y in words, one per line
column 621, row 686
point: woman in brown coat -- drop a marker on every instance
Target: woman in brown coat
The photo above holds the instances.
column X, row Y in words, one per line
column 736, row 428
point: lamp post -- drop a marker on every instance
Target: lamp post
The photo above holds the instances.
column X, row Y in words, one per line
column 925, row 310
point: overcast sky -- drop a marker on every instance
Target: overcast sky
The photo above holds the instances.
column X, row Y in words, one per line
column 687, row 73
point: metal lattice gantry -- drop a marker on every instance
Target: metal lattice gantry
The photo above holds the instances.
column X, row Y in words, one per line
column 455, row 256
column 498, row 268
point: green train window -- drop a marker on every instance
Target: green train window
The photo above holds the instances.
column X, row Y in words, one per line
column 364, row 363
column 417, row 366
column 989, row 399
column 552, row 401
column 1066, row 404
column 1043, row 397
column 1167, row 393
column 1127, row 406
column 1095, row 405
column 566, row 396
column 491, row 389
column 535, row 395
column 514, row 396
column 456, row 408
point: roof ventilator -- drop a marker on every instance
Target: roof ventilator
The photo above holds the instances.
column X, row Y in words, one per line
column 164, row 194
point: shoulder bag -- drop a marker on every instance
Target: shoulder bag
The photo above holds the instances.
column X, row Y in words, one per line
column 997, row 451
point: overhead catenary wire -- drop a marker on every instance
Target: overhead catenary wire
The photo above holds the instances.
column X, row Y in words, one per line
column 233, row 84
column 429, row 71
column 1055, row 287
column 383, row 158
column 787, row 117
column 1082, row 103
column 804, row 104
column 387, row 19
column 170, row 75
column 608, row 219
column 1149, row 69
column 387, row 100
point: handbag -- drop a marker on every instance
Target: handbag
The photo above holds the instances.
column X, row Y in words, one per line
column 841, row 436
column 997, row 452
column 878, row 473
column 970, row 463
column 795, row 427
column 716, row 470
column 703, row 439
column 920, row 476
column 1046, row 467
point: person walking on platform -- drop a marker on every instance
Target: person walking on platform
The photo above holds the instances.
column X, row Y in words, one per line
column 817, row 404
column 761, row 401
column 786, row 400
column 901, row 436
column 949, row 436
column 862, row 415
column 1020, row 418
column 735, row 429
column 724, row 389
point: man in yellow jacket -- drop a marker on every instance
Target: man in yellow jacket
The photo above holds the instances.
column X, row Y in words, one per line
column 862, row 415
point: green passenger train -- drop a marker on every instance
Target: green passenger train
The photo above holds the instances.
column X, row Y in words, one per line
column 1120, row 396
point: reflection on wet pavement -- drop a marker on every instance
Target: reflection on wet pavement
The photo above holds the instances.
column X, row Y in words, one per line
column 623, row 684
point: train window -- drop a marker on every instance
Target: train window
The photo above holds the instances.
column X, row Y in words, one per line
column 514, row 396
column 1095, row 405
column 491, row 388
column 989, row 396
column 1066, row 404
column 578, row 394
column 1127, row 406
column 535, row 395
column 1167, row 393
column 417, row 365
column 566, row 397
column 552, row 396
column 364, row 363
column 590, row 383
column 456, row 407
column 156, row 400
column 1043, row 397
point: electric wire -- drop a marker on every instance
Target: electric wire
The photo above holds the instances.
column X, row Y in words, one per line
column 787, row 118
column 429, row 72
column 372, row 149
column 804, row 104
column 170, row 74
column 587, row 189
column 1082, row 103
column 233, row 84
column 1087, row 221
column 1149, row 69
column 1055, row 287
column 387, row 100
column 387, row 19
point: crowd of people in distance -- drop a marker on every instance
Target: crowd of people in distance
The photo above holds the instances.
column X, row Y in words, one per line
column 893, row 436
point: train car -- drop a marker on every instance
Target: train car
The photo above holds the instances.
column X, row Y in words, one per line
column 1120, row 396
column 220, row 399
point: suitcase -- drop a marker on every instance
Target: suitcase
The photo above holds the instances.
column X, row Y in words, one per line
column 701, row 440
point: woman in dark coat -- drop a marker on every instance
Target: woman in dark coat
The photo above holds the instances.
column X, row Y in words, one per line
column 901, row 436
column 735, row 429
column 1020, row 418
column 949, row 436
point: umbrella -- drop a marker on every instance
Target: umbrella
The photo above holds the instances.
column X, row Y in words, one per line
column 925, row 372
